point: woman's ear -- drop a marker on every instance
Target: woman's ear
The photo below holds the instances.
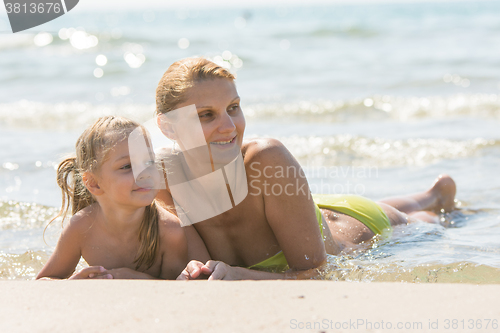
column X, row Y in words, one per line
column 90, row 182
column 165, row 126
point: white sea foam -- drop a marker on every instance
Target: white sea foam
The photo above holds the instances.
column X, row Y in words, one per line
column 29, row 114
column 382, row 107
column 363, row 151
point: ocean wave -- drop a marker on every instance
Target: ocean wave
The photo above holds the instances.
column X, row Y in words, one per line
column 327, row 32
column 363, row 151
column 382, row 107
column 30, row 114
column 67, row 116
column 24, row 215
column 16, row 41
column 23, row 266
column 341, row 269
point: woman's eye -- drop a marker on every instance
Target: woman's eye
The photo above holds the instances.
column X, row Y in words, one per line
column 205, row 115
column 234, row 107
column 126, row 166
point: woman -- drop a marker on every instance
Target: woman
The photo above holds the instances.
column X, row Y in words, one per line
column 277, row 225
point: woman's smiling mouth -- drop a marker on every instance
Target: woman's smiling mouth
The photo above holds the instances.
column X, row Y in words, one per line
column 224, row 142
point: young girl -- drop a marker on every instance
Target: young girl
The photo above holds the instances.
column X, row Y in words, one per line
column 278, row 225
column 116, row 225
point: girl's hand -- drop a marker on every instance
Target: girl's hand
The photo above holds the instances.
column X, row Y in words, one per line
column 92, row 272
column 194, row 270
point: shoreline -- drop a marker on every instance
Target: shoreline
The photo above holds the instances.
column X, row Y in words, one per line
column 246, row 306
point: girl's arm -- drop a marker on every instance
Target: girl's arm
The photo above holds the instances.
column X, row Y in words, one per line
column 189, row 246
column 196, row 247
column 66, row 256
column 178, row 244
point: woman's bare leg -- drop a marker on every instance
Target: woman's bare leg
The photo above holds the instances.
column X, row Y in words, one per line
column 345, row 231
column 422, row 206
column 439, row 198
column 426, row 216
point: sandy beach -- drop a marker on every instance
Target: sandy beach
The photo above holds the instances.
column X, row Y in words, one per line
column 246, row 306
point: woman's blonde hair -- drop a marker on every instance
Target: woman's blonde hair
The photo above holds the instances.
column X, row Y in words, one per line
column 182, row 75
column 91, row 150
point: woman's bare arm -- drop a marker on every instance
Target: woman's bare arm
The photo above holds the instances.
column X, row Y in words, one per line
column 289, row 207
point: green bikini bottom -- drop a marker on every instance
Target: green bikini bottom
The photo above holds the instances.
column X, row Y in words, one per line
column 362, row 209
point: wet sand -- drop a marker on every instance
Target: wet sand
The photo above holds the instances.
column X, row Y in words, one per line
column 246, row 306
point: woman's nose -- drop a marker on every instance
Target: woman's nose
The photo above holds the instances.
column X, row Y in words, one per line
column 226, row 124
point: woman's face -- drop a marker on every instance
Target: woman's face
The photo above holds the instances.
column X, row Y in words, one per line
column 218, row 107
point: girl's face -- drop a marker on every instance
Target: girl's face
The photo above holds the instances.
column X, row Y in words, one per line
column 218, row 106
column 117, row 183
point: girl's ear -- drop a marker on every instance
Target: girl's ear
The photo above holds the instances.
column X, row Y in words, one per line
column 165, row 127
column 90, row 182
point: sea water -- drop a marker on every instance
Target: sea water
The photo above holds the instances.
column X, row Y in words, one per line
column 373, row 99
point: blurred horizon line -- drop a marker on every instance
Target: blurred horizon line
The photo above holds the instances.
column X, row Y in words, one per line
column 217, row 4
column 92, row 5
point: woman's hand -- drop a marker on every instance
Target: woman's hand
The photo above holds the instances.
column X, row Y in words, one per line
column 194, row 270
column 218, row 270
column 215, row 270
column 221, row 271
column 92, row 272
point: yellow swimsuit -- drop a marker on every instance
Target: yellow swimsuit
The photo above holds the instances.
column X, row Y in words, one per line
column 362, row 209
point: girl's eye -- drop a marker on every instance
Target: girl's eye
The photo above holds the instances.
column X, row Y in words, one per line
column 234, row 107
column 126, row 166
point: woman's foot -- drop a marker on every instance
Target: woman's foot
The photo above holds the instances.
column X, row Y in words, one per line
column 444, row 189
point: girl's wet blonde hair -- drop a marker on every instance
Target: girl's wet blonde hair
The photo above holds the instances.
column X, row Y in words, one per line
column 92, row 148
column 183, row 75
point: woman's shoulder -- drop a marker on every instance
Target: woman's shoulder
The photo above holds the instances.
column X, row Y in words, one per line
column 262, row 154
column 263, row 148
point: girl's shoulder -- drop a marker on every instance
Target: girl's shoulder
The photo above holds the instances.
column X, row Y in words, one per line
column 169, row 226
column 81, row 223
column 84, row 217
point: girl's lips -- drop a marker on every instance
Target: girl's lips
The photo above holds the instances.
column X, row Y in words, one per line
column 142, row 189
column 145, row 189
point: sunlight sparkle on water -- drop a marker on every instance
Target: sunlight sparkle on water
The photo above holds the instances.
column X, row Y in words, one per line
column 134, row 60
column 98, row 72
column 43, row 39
column 183, row 43
column 81, row 40
column 101, row 60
